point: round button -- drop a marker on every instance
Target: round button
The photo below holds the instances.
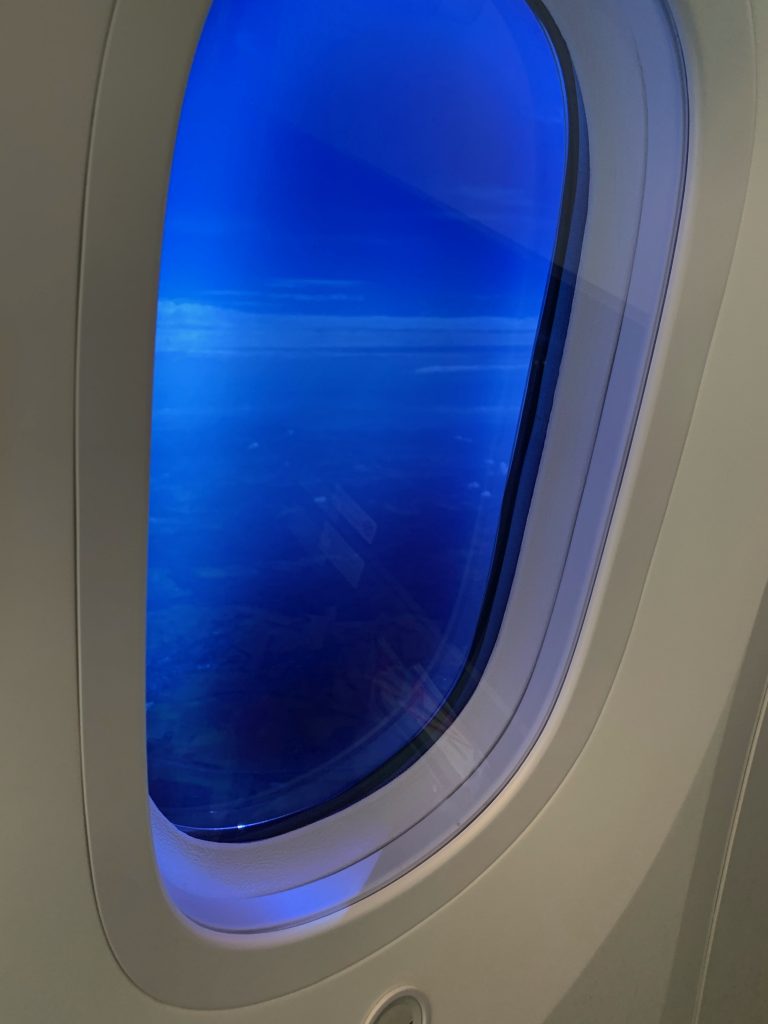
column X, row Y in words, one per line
column 400, row 1009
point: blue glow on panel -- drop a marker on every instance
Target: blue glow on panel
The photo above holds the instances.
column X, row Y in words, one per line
column 363, row 210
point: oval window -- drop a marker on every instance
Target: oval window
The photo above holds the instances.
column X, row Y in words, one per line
column 355, row 318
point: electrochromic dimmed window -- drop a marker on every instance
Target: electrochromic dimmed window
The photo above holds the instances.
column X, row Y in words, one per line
column 366, row 207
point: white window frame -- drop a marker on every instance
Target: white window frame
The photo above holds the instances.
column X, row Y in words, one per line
column 191, row 921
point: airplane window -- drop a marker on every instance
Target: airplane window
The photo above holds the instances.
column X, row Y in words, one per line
column 367, row 209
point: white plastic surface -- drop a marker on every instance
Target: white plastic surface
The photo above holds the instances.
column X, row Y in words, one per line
column 545, row 923
column 359, row 857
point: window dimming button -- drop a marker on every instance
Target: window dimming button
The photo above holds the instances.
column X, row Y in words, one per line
column 400, row 1010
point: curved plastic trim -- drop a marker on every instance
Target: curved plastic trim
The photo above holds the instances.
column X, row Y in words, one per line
column 162, row 951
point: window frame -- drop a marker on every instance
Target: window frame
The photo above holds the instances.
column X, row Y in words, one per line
column 142, row 917
column 440, row 793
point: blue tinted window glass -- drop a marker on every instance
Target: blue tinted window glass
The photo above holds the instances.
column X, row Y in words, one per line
column 364, row 208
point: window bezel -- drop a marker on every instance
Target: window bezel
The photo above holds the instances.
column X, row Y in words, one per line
column 441, row 792
column 223, row 970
